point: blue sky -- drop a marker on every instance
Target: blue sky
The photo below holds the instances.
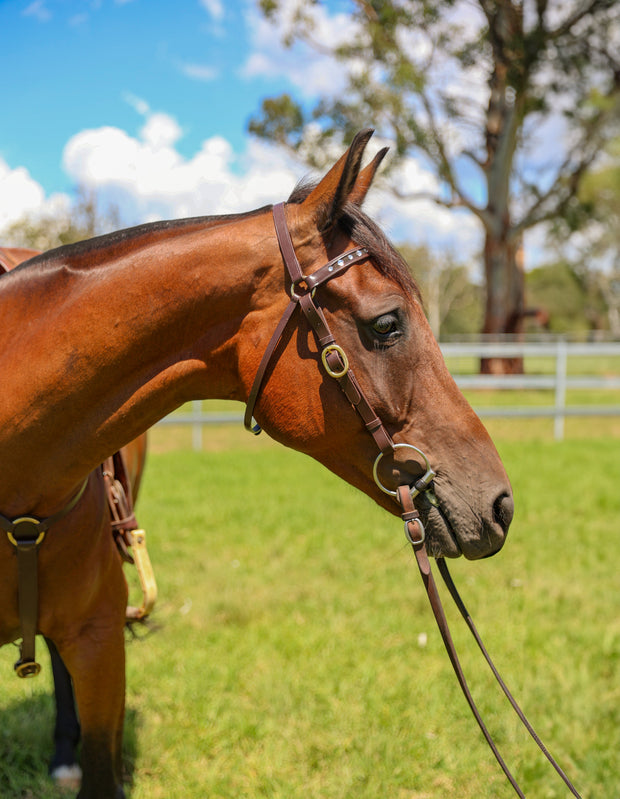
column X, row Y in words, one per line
column 75, row 64
column 146, row 102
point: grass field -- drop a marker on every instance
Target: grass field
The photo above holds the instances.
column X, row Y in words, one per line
column 293, row 653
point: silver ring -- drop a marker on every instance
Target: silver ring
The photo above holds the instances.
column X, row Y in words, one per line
column 425, row 480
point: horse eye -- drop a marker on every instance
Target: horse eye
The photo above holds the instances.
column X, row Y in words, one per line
column 386, row 326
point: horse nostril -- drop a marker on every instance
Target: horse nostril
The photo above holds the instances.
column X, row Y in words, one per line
column 503, row 510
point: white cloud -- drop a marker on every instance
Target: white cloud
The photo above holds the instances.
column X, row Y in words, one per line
column 38, row 10
column 161, row 131
column 78, row 19
column 215, row 8
column 423, row 222
column 309, row 71
column 148, row 178
column 137, row 103
column 20, row 194
column 202, row 72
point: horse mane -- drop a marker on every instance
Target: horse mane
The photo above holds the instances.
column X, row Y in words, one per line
column 361, row 229
column 134, row 234
column 353, row 221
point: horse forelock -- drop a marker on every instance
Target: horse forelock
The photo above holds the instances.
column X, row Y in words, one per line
column 362, row 230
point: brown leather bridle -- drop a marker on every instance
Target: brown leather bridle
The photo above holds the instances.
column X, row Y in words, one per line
column 333, row 357
column 336, row 364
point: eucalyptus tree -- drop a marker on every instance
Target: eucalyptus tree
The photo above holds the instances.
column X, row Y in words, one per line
column 506, row 101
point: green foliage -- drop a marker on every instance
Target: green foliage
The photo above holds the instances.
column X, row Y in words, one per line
column 556, row 291
column 83, row 220
column 595, row 261
column 293, row 653
column 281, row 117
column 452, row 301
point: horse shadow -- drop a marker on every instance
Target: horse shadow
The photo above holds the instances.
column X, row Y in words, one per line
column 26, row 745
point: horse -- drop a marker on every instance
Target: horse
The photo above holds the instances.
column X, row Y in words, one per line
column 302, row 310
column 63, row 767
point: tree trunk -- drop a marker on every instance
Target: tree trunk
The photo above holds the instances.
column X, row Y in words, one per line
column 433, row 299
column 505, row 305
column 503, row 256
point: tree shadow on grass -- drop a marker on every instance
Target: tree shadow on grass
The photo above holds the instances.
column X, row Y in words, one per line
column 26, row 730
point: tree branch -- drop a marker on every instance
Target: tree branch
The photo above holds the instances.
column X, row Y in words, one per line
column 458, row 202
column 577, row 16
column 560, row 192
column 367, row 10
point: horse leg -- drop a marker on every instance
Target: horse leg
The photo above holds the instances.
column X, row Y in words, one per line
column 96, row 660
column 64, row 768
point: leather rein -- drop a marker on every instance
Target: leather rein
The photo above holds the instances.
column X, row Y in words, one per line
column 336, row 364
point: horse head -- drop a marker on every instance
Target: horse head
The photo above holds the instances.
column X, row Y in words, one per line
column 375, row 313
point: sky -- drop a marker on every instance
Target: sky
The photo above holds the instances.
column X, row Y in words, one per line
column 146, row 102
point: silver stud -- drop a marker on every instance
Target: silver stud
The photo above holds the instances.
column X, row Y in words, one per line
column 340, row 262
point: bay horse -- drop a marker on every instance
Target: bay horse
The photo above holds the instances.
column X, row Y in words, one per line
column 64, row 768
column 103, row 338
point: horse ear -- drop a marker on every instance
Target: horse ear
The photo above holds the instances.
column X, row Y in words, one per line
column 365, row 178
column 326, row 201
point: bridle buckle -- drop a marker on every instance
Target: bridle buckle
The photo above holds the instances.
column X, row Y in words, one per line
column 27, row 668
column 31, row 532
column 415, row 542
column 335, row 373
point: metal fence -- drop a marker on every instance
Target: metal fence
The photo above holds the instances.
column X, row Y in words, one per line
column 556, row 380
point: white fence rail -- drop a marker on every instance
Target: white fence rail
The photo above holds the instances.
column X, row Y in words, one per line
column 558, row 380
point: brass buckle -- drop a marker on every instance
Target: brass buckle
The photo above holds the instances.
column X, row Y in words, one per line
column 32, row 523
column 28, row 668
column 345, row 361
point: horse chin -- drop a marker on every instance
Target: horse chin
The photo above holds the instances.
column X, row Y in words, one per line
column 449, row 536
column 441, row 540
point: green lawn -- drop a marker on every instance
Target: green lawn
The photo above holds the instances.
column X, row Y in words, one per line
column 293, row 653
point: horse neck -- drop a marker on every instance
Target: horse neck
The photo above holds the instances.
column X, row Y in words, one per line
column 101, row 343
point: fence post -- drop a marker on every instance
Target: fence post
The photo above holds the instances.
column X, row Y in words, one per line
column 197, row 426
column 560, row 389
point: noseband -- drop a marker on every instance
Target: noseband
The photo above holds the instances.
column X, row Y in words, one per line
column 336, row 364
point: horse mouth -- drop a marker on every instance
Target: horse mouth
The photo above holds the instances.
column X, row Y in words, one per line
column 451, row 533
column 441, row 538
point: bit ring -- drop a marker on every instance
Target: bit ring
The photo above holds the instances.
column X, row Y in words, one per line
column 423, row 482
